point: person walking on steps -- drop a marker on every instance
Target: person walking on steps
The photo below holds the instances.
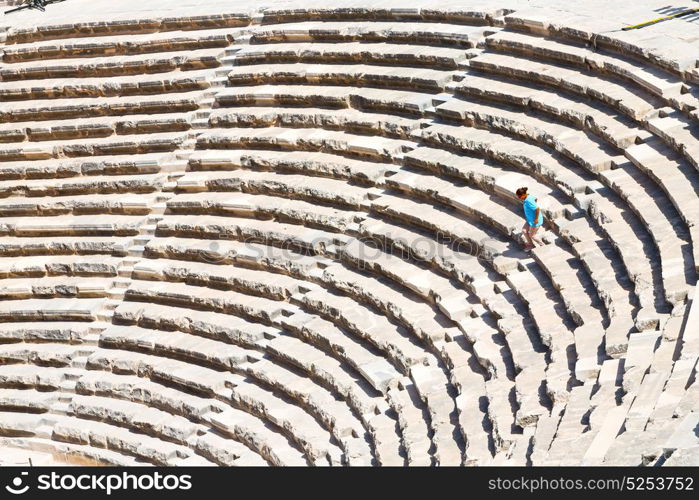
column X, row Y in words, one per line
column 534, row 218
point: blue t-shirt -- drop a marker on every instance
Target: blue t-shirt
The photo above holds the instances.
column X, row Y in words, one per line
column 530, row 207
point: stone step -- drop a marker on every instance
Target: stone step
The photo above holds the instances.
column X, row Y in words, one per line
column 118, row 45
column 650, row 79
column 250, row 430
column 677, row 131
column 307, row 163
column 53, row 130
column 378, row 148
column 356, row 74
column 301, row 187
column 502, row 149
column 150, row 449
column 119, row 145
column 148, row 163
column 330, row 119
column 647, row 203
column 349, row 52
column 413, row 421
column 28, row 34
column 15, row 113
column 500, row 179
column 122, row 65
column 66, row 265
column 133, row 85
column 585, row 150
column 54, row 286
column 676, row 178
column 393, row 100
column 27, row 400
column 300, row 426
column 626, row 100
column 332, row 30
column 604, row 122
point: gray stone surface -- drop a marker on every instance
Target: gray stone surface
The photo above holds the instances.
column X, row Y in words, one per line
column 286, row 233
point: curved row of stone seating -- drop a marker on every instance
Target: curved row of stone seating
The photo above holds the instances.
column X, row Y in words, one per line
column 352, row 52
column 505, row 35
column 386, row 100
column 355, row 75
column 605, row 90
column 149, row 163
column 93, row 127
column 14, row 246
column 112, row 66
column 97, row 434
column 347, row 120
column 54, row 286
column 45, row 331
column 69, row 108
column 458, row 34
column 120, row 45
column 161, row 35
column 57, row 31
column 67, row 453
column 663, row 81
column 135, row 85
column 127, row 144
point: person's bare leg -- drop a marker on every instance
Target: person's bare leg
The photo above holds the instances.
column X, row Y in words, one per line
column 533, row 237
column 527, row 237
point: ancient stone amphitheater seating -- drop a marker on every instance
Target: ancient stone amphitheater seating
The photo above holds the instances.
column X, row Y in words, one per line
column 290, row 236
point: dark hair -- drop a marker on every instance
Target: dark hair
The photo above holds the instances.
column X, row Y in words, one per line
column 521, row 191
